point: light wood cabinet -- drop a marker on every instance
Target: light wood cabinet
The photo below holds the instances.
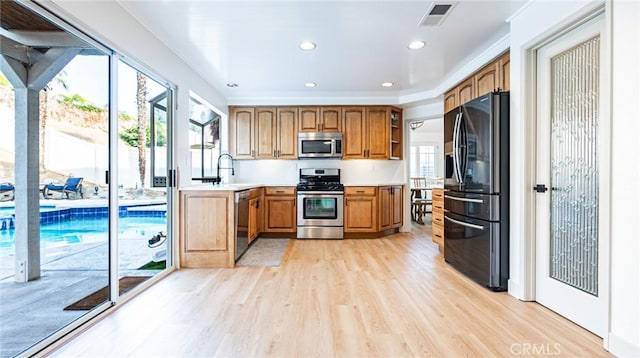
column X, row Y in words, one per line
column 263, row 132
column 280, row 210
column 255, row 214
column 241, row 132
column 491, row 77
column 354, row 133
column 466, row 91
column 360, row 210
column 377, row 128
column 437, row 218
column 330, row 119
column 396, row 134
column 320, row 119
column 206, row 229
column 390, row 204
column 504, row 63
column 487, row 79
column 450, row 100
column 369, row 132
column 372, row 132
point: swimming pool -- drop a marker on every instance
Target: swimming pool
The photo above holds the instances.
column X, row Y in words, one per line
column 91, row 230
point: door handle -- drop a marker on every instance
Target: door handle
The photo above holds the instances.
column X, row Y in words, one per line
column 464, row 223
column 540, row 188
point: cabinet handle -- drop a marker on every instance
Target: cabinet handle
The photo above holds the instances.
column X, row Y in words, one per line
column 318, row 127
column 279, row 191
column 321, row 127
column 279, row 153
column 274, row 153
column 359, row 191
column 253, row 153
column 257, row 204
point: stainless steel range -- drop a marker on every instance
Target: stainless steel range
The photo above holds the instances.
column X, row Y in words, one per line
column 320, row 204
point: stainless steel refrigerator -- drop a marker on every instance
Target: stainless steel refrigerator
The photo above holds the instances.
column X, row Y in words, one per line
column 476, row 225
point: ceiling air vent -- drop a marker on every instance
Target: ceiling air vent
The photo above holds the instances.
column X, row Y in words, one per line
column 436, row 13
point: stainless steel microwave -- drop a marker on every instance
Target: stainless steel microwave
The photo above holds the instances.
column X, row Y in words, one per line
column 319, row 145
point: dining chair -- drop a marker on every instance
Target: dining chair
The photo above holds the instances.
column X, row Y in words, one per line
column 420, row 198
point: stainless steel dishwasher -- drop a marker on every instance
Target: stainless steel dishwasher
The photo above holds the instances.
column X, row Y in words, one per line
column 242, row 222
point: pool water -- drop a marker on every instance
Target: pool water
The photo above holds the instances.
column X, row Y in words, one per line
column 88, row 231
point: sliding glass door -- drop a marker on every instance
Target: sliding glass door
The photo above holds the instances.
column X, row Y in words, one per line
column 144, row 187
column 85, row 178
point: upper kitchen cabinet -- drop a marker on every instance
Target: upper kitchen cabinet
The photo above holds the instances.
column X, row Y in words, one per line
column 372, row 132
column 466, row 91
column 487, row 79
column 287, row 133
column 450, row 100
column 266, row 132
column 505, row 72
column 354, row 133
column 241, row 132
column 396, row 133
column 491, row 77
column 320, row 119
column 263, row 132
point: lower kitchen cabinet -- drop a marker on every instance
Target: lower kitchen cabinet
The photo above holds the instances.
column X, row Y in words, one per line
column 206, row 228
column 360, row 210
column 390, row 199
column 280, row 210
column 255, row 213
column 437, row 218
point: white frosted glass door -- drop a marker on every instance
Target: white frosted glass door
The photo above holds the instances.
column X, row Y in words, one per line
column 569, row 258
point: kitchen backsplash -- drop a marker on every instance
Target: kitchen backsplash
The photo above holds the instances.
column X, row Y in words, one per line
column 285, row 172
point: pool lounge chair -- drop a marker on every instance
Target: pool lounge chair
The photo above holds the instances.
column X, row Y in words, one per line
column 7, row 191
column 71, row 186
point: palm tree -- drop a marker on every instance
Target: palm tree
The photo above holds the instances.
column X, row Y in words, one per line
column 141, row 101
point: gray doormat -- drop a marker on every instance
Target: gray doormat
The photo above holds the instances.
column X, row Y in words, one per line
column 264, row 252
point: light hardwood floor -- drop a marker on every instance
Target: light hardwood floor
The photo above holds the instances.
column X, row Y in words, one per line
column 387, row 297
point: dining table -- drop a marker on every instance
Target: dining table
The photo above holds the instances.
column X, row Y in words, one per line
column 425, row 194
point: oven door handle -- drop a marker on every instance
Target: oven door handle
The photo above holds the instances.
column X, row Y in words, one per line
column 320, row 193
column 464, row 223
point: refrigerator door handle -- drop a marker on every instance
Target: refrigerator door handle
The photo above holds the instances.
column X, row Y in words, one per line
column 462, row 142
column 478, row 201
column 462, row 223
column 456, row 149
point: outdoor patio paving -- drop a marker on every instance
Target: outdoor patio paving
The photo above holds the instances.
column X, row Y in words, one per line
column 33, row 310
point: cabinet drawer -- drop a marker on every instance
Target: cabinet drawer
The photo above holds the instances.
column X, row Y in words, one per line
column 360, row 190
column 437, row 208
column 437, row 194
column 438, row 219
column 437, row 234
column 280, row 190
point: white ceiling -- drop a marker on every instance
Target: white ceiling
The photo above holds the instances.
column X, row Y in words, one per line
column 360, row 44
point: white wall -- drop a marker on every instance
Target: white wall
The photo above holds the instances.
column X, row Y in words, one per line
column 624, row 337
column 538, row 21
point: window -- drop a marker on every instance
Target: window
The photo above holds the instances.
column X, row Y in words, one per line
column 204, row 139
column 423, row 161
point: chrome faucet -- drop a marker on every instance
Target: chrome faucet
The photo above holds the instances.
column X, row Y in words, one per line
column 233, row 172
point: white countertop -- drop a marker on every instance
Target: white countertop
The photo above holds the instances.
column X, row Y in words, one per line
column 221, row 187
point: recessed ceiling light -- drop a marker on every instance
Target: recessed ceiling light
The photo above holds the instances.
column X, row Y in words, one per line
column 310, row 84
column 232, row 85
column 387, row 84
column 415, row 45
column 307, row 45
